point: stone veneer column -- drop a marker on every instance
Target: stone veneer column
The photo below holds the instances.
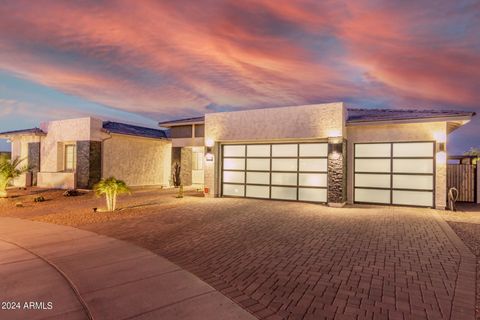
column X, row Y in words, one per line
column 337, row 175
column 89, row 163
column 34, row 160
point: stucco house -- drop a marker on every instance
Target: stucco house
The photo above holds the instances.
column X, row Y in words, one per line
column 323, row 153
column 76, row 153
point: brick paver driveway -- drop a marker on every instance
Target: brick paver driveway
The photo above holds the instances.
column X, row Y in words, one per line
column 306, row 261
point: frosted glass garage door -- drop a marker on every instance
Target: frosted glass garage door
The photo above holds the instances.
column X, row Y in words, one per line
column 395, row 173
column 284, row 171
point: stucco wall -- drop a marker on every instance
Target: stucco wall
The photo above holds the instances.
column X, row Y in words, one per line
column 187, row 142
column 59, row 132
column 393, row 133
column 138, row 161
column 20, row 150
column 286, row 123
column 61, row 180
column 311, row 121
column 186, row 166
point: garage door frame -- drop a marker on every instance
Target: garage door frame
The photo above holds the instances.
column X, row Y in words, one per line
column 391, row 173
column 270, row 185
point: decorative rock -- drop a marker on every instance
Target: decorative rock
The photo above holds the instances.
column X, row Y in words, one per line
column 39, row 199
column 71, row 193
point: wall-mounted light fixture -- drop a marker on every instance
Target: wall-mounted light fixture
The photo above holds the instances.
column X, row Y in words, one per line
column 209, row 154
column 441, row 156
column 209, row 157
column 335, row 146
column 441, row 147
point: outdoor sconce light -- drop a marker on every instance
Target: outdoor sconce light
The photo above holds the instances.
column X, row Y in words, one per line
column 209, row 154
column 441, row 154
column 209, row 157
column 335, row 148
column 441, row 147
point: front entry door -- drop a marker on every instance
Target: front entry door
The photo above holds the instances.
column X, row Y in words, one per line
column 197, row 165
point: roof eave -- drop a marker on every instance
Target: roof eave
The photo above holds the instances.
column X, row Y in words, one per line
column 175, row 124
column 136, row 135
column 9, row 135
column 411, row 120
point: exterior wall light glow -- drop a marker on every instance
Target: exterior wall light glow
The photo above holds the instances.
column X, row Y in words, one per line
column 209, row 142
column 440, row 136
column 441, row 157
column 334, row 133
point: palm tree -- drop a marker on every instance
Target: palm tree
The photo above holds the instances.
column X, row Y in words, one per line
column 111, row 187
column 9, row 170
column 474, row 152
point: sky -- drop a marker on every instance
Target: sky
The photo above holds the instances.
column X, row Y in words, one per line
column 146, row 61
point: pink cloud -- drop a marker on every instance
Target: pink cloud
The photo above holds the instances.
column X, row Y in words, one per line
column 179, row 57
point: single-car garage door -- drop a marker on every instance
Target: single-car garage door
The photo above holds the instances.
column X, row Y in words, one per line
column 287, row 171
column 398, row 173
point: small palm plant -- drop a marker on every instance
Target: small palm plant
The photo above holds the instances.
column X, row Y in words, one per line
column 111, row 188
column 9, row 170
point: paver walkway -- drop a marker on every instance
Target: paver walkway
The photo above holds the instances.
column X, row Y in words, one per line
column 306, row 261
column 58, row 272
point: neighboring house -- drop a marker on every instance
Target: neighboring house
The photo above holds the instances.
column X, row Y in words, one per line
column 76, row 153
column 321, row 153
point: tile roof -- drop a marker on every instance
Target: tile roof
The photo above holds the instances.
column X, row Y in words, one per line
column 35, row 130
column 368, row 115
column 128, row 129
column 185, row 120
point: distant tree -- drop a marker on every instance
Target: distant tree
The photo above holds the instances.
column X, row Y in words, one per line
column 111, row 188
column 473, row 151
column 9, row 170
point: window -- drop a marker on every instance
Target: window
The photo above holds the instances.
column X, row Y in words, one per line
column 197, row 158
column 70, row 158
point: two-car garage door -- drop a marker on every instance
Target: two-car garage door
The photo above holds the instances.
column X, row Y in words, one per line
column 288, row 171
column 395, row 173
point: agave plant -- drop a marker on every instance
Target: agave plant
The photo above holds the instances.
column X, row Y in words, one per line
column 9, row 170
column 111, row 188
